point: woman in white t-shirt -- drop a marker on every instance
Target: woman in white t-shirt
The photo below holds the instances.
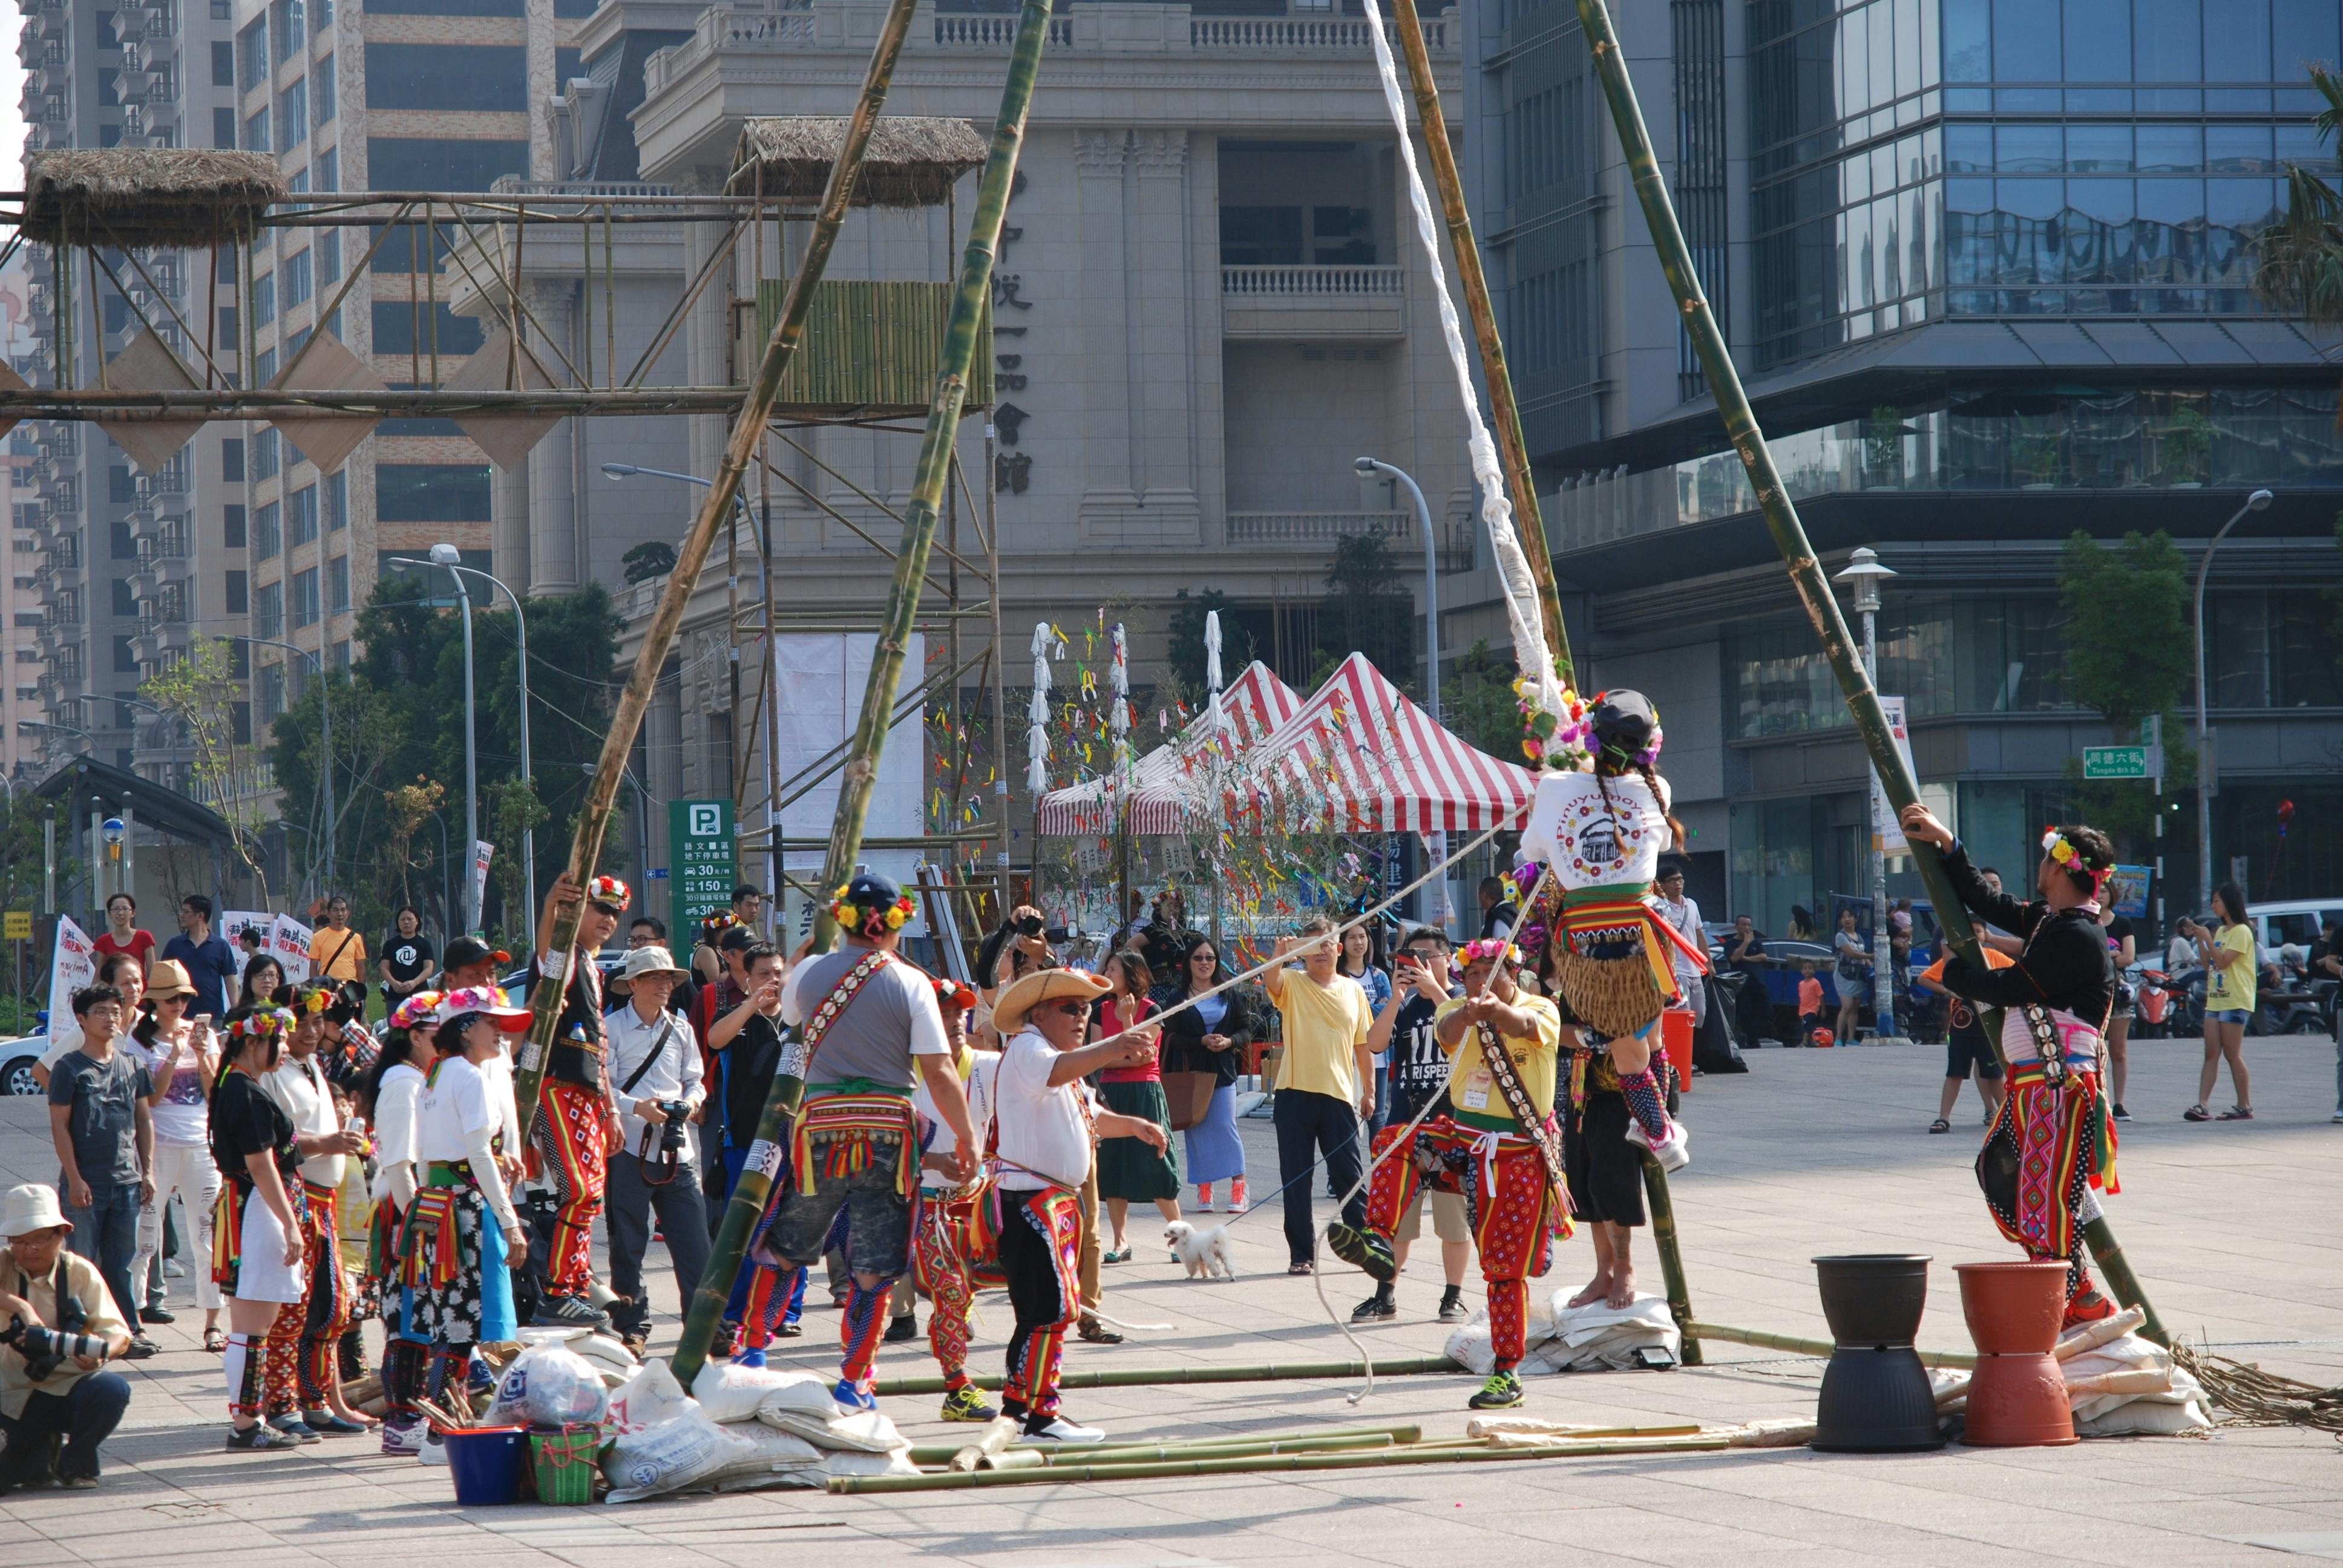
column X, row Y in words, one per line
column 181, row 1060
column 462, row 1226
column 390, row 1097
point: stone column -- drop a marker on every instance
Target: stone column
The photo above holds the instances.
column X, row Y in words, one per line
column 1110, row 365
column 1160, row 290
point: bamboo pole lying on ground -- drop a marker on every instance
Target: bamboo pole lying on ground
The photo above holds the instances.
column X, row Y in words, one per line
column 1154, row 1377
column 941, row 1452
column 1254, row 1465
column 919, row 516
column 1142, row 1453
column 1797, row 551
column 1805, row 1347
column 659, row 635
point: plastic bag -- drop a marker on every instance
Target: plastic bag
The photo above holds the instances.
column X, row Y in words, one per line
column 775, row 1452
column 550, row 1385
column 729, row 1393
column 674, row 1454
column 866, row 1430
column 647, row 1399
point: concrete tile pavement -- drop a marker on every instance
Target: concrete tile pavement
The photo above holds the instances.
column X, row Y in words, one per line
column 1812, row 1151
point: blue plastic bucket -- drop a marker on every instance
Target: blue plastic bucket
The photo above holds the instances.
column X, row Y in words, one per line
column 486, row 1462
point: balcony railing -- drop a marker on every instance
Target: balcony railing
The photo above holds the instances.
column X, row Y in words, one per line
column 1314, row 282
column 239, row 784
column 1291, row 34
column 990, row 32
column 1316, row 528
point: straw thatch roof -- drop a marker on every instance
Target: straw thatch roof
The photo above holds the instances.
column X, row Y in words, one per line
column 911, row 161
column 141, row 196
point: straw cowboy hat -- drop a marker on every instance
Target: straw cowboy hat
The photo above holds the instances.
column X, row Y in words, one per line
column 30, row 1208
column 1045, row 985
column 650, row 961
column 168, row 977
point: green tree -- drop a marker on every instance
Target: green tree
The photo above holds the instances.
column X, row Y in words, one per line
column 2128, row 655
column 202, row 693
column 2301, row 266
column 1365, row 610
column 1477, row 703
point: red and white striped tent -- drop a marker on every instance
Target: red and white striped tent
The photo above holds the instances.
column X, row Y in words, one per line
column 1360, row 758
column 1172, row 783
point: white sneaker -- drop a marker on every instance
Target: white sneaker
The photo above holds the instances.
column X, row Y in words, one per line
column 2339, row 1114
column 1058, row 1429
column 1673, row 1152
column 174, row 1270
column 435, row 1447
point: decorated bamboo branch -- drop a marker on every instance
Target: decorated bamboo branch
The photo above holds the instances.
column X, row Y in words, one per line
column 1789, row 535
column 659, row 636
column 1505, row 414
column 862, row 769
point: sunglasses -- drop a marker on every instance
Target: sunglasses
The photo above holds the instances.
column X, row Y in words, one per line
column 1070, row 1009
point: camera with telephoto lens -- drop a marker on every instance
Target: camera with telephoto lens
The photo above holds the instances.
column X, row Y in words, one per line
column 672, row 1131
column 45, row 1348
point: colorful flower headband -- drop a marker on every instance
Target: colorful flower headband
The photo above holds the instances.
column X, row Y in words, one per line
column 1558, row 740
column 2055, row 845
column 261, row 1025
column 1492, row 948
column 951, row 994
column 416, row 1011
column 609, row 890
column 314, row 998
column 896, row 916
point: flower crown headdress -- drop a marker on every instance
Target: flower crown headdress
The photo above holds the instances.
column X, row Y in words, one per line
column 2057, row 844
column 1487, row 948
column 894, row 916
column 261, row 1025
column 416, row 1011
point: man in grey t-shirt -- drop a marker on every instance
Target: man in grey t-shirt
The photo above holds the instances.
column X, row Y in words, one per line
column 104, row 1138
column 871, row 1030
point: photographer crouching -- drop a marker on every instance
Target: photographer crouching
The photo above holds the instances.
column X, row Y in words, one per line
column 58, row 1326
column 654, row 1060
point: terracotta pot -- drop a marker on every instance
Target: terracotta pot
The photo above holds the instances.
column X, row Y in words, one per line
column 1873, row 1299
column 2018, row 1398
column 2013, row 1308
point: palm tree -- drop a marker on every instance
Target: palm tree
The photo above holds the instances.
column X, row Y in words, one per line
column 2301, row 267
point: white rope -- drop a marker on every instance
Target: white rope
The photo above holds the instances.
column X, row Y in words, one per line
column 1521, row 611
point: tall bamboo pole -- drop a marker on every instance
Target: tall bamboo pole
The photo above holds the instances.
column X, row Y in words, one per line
column 862, row 769
column 659, row 635
column 1790, row 539
column 1504, row 413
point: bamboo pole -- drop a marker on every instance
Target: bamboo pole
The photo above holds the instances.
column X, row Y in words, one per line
column 1672, row 1269
column 1797, row 551
column 862, row 769
column 1160, row 1377
column 1504, row 413
column 942, row 1452
column 659, row 635
column 1806, row 1347
column 1241, row 1464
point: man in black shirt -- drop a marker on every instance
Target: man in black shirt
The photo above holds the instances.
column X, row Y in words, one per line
column 1499, row 913
column 1745, row 954
column 576, row 1126
column 1419, row 1075
column 746, row 1045
column 406, row 958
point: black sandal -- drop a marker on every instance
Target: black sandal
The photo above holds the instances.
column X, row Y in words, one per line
column 1940, row 1125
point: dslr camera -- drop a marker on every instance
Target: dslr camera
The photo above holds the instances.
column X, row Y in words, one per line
column 1030, row 926
column 44, row 1348
column 672, row 1131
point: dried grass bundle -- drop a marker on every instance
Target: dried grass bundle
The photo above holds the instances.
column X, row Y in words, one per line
column 148, row 197
column 911, row 162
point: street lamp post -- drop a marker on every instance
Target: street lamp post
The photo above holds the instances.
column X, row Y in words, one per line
column 326, row 717
column 773, row 705
column 1435, row 844
column 1864, row 574
column 446, row 555
column 520, row 639
column 2257, row 502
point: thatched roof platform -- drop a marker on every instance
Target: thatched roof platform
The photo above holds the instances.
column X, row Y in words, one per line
column 147, row 197
column 911, row 161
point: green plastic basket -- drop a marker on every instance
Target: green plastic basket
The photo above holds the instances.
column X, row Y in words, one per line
column 564, row 1462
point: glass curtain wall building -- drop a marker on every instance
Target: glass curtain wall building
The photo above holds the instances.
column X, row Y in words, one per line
column 1986, row 267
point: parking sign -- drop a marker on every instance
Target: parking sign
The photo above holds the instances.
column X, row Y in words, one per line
column 703, row 859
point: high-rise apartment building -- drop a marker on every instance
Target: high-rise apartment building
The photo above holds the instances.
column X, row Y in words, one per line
column 130, row 565
column 1987, row 271
column 415, row 95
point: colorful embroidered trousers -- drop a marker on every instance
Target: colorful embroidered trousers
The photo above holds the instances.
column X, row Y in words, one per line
column 2049, row 1130
column 567, row 1138
column 299, row 1358
column 949, row 1260
column 1040, row 1256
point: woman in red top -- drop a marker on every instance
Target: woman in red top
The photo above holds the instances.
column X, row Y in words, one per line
column 1128, row 1168
column 122, row 934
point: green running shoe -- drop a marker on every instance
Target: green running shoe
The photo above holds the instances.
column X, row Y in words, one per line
column 1502, row 1391
column 967, row 1404
column 1363, row 1249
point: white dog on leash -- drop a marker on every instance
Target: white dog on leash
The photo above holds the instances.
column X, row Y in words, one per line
column 1205, row 1253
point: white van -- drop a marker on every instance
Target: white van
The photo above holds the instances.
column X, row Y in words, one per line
column 2296, row 921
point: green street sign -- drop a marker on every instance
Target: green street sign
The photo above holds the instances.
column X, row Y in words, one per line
column 703, row 861
column 2115, row 762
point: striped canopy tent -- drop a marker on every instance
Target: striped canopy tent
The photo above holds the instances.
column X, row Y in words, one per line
column 1172, row 783
column 1360, row 758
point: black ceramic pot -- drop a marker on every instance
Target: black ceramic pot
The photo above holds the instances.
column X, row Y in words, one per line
column 1874, row 1300
column 1877, row 1402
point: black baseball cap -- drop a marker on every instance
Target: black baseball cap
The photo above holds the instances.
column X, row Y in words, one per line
column 872, row 890
column 465, row 951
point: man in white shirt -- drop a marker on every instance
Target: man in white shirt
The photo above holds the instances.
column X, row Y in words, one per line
column 301, row 1355
column 1678, row 909
column 1048, row 1127
column 654, row 1062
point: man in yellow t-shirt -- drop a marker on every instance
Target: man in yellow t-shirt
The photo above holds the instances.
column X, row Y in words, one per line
column 1325, row 1081
column 1482, row 1146
column 335, row 951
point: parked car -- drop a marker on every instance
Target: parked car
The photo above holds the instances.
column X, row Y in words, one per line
column 2296, row 921
column 17, row 1058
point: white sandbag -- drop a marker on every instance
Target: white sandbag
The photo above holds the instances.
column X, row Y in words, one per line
column 865, row 1431
column 808, row 1393
column 672, row 1455
column 604, row 1352
column 2152, row 1416
column 1577, row 1339
column 550, row 1385
column 848, row 1462
column 773, row 1451
column 647, row 1399
column 730, row 1392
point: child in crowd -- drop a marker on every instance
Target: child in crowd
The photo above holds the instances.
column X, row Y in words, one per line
column 1810, row 1001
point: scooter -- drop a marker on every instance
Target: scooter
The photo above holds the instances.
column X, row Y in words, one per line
column 2164, row 1006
